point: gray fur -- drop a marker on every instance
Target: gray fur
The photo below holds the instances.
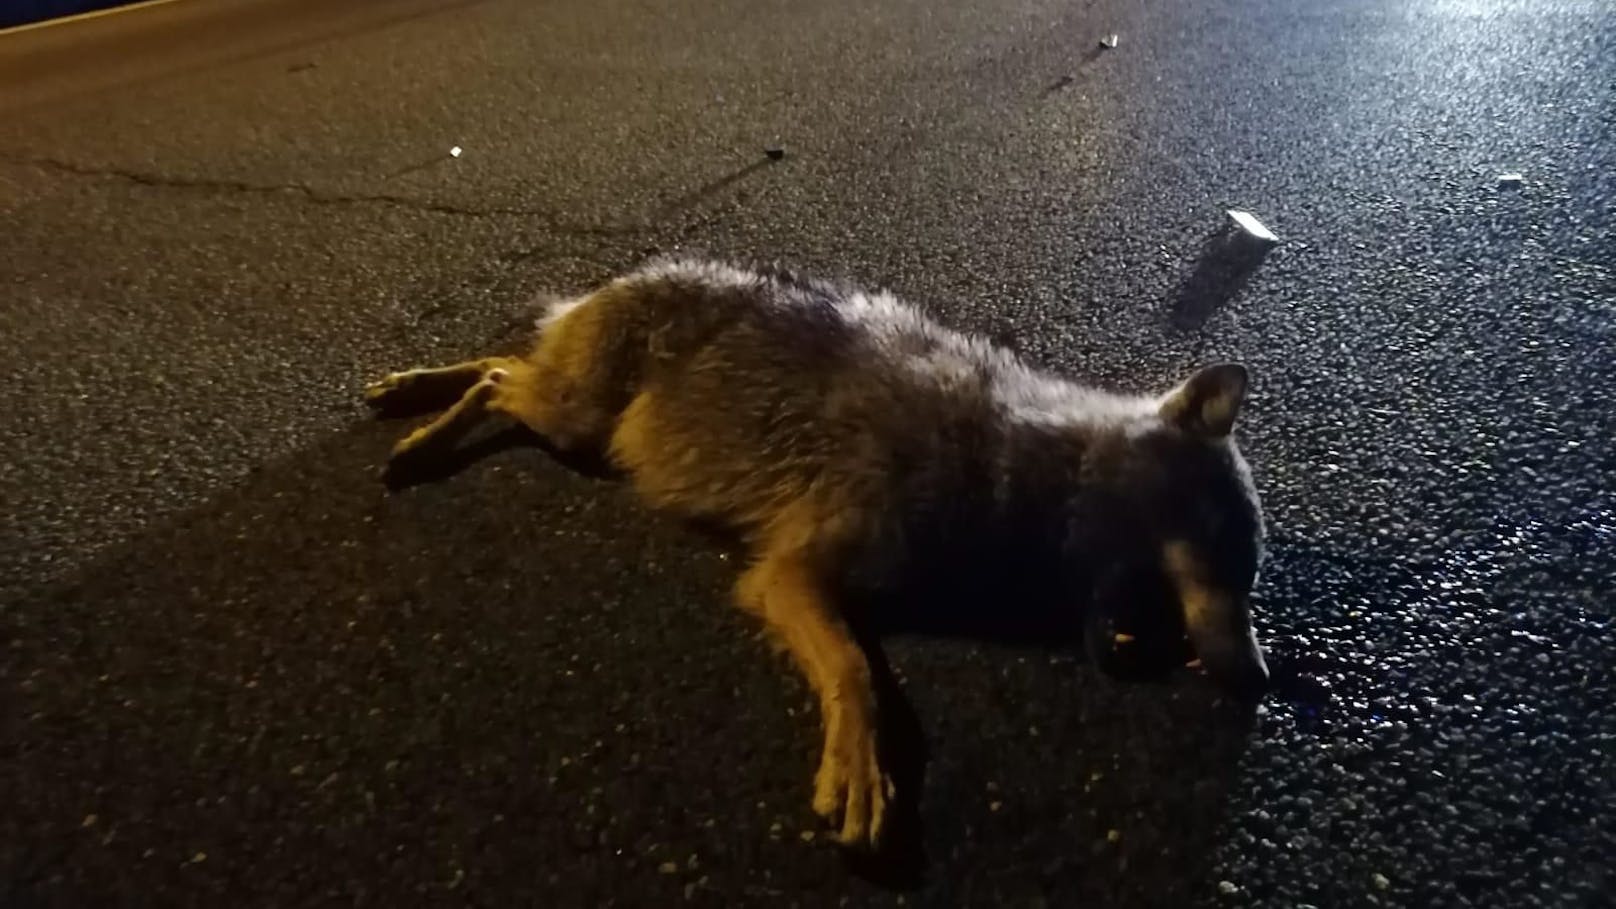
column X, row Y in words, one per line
column 936, row 463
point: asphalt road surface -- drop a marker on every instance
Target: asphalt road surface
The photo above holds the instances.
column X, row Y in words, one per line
column 237, row 671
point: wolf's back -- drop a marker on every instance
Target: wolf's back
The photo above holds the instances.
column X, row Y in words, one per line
column 758, row 389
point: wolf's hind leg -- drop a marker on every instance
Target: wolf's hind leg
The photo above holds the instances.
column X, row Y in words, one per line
column 517, row 391
column 436, row 438
column 569, row 413
column 422, row 390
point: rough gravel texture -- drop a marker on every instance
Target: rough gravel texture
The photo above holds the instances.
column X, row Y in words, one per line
column 238, row 671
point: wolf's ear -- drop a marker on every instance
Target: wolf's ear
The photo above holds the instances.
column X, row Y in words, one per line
column 1208, row 403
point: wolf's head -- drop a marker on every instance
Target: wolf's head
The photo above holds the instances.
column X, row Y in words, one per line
column 1185, row 537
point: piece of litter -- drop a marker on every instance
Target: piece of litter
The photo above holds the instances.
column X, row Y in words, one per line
column 1380, row 881
column 454, row 152
column 774, row 152
column 1511, row 179
column 1248, row 224
column 1227, row 888
column 1109, row 41
column 1124, row 638
column 668, row 868
column 1113, row 836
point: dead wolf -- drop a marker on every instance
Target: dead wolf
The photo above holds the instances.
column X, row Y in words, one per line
column 865, row 454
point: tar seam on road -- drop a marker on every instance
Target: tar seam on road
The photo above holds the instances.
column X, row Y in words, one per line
column 628, row 228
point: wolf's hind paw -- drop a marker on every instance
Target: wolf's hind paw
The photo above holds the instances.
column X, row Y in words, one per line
column 852, row 790
column 378, row 393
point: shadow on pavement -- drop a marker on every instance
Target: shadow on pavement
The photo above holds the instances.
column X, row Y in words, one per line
column 1225, row 264
column 1067, row 80
column 509, row 682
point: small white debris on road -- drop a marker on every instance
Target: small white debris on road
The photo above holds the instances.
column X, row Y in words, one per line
column 1511, row 179
column 1248, row 224
column 454, row 152
column 1109, row 41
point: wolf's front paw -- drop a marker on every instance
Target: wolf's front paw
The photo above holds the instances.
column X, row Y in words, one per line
column 851, row 788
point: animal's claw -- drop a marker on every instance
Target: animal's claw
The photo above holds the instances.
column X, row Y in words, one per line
column 851, row 790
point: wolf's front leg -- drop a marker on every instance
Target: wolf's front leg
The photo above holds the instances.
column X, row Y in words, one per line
column 851, row 789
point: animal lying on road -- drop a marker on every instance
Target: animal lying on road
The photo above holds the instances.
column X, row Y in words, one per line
column 865, row 454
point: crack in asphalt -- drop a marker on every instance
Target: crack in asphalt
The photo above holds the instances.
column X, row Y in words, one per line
column 687, row 202
column 318, row 197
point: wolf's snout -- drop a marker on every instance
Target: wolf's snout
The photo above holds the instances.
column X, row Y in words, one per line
column 1219, row 626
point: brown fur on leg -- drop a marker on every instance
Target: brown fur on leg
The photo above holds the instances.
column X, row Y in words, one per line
column 558, row 407
column 539, row 397
column 851, row 785
column 437, row 437
column 424, row 390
